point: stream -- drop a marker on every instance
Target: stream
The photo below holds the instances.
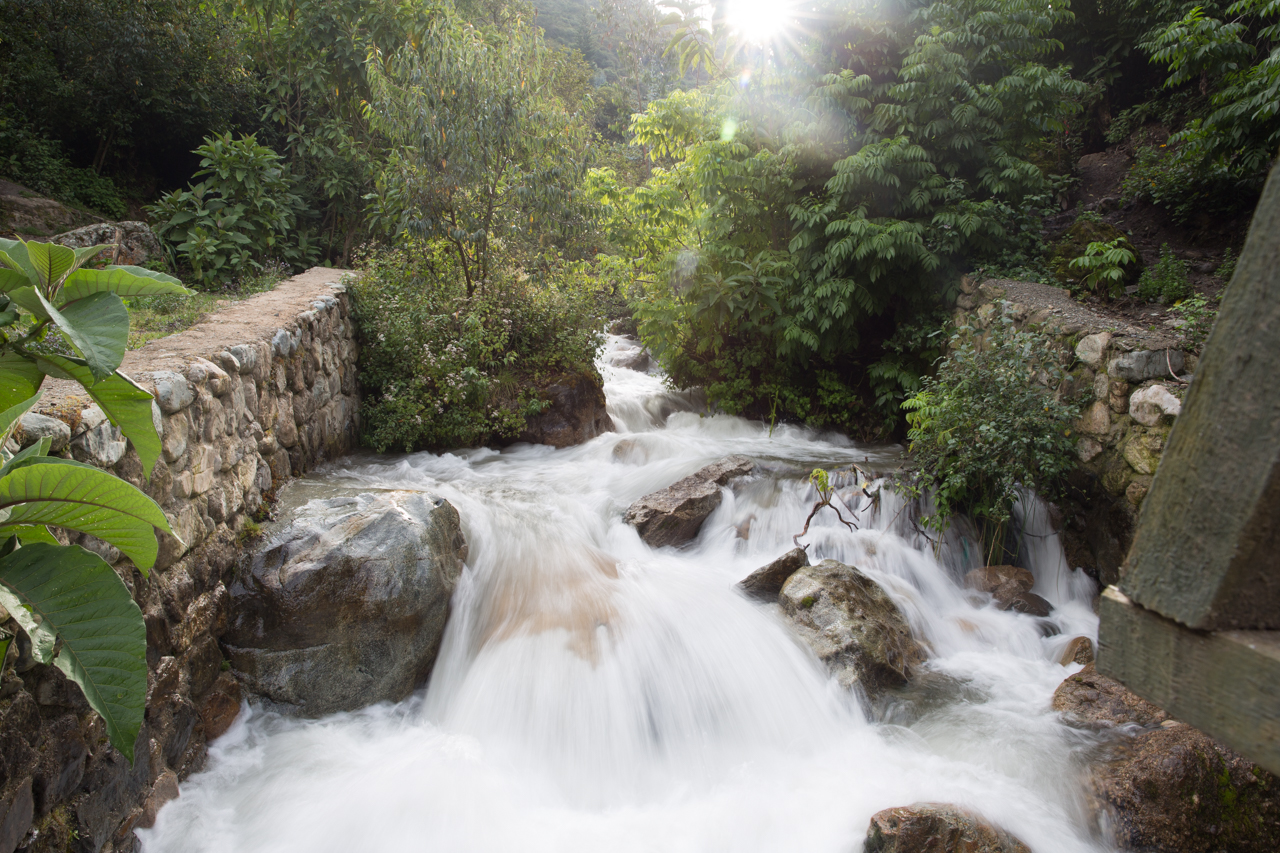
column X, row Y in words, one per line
column 594, row 694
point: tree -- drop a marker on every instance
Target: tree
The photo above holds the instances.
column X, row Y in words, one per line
column 810, row 212
column 77, row 612
column 482, row 153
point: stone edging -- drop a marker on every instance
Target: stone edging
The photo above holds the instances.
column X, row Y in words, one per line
column 261, row 391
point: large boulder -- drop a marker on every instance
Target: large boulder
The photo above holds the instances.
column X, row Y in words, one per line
column 576, row 413
column 852, row 626
column 936, row 828
column 766, row 582
column 137, row 242
column 1174, row 789
column 674, row 515
column 344, row 603
column 1165, row 787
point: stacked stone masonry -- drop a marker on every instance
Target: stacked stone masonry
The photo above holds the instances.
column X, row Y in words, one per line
column 262, row 391
column 1129, row 383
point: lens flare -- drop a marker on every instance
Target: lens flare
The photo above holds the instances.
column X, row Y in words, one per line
column 760, row 21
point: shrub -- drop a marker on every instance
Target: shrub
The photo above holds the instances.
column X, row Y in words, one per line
column 40, row 165
column 1104, row 266
column 1089, row 228
column 986, row 424
column 244, row 213
column 442, row 369
column 1195, row 320
column 1227, row 269
column 1170, row 177
column 1167, row 281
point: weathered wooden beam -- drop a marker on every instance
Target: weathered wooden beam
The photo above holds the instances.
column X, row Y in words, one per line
column 1207, row 547
column 1226, row 683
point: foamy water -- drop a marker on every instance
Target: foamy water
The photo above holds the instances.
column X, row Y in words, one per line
column 593, row 694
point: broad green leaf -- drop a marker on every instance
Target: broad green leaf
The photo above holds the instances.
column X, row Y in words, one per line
column 127, row 405
column 51, row 262
column 80, row 497
column 88, row 252
column 27, row 455
column 12, row 280
column 104, row 640
column 43, row 640
column 29, row 533
column 10, row 416
column 98, row 326
column 124, row 281
column 13, row 254
column 30, row 301
column 20, row 379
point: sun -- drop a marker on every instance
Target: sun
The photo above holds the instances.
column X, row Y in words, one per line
column 760, row 21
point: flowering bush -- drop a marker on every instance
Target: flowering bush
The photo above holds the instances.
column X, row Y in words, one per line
column 441, row 369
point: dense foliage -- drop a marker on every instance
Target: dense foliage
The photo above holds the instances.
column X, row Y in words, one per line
column 60, row 318
column 987, row 424
column 244, row 212
column 444, row 367
column 791, row 222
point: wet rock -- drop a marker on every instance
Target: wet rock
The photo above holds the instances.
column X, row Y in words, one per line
column 765, row 583
column 936, row 828
column 1090, row 699
column 220, row 707
column 1149, row 405
column 634, row 359
column 852, row 626
column 1147, row 364
column 1030, row 604
column 674, row 515
column 343, row 604
column 1002, row 582
column 1079, row 650
column 33, row 427
column 577, row 413
column 1174, row 789
column 138, row 242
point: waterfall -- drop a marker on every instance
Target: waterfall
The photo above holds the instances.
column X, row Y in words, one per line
column 593, row 694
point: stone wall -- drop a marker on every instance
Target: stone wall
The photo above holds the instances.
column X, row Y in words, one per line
column 259, row 392
column 1129, row 382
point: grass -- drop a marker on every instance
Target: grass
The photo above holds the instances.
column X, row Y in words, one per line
column 152, row 317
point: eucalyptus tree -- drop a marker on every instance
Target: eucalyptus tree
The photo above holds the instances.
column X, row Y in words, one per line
column 482, row 154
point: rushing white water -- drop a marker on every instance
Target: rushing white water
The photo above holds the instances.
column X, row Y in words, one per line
column 593, row 694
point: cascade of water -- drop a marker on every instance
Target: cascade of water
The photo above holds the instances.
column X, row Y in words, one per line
column 595, row 694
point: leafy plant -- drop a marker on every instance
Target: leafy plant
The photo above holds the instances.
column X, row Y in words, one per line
column 821, row 482
column 1167, row 281
column 41, row 165
column 1227, row 269
column 482, row 153
column 1103, row 265
column 1196, row 319
column 243, row 214
column 445, row 369
column 77, row 612
column 986, row 424
column 793, row 217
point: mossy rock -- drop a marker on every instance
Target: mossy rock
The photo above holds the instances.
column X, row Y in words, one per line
column 1077, row 238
